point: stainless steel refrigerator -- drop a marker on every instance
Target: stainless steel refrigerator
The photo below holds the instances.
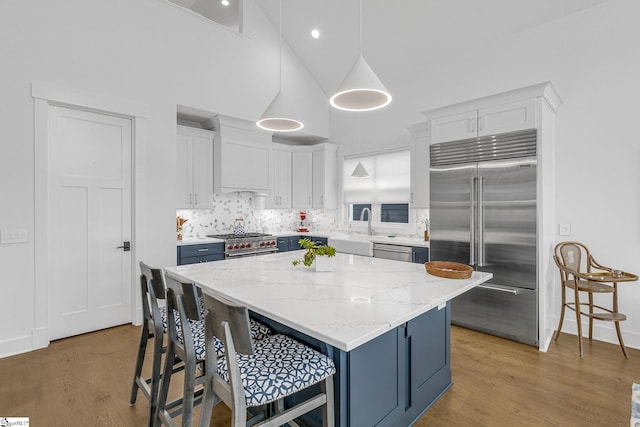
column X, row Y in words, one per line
column 483, row 213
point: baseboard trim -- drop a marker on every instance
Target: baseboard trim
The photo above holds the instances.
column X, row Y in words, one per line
column 15, row 346
column 603, row 331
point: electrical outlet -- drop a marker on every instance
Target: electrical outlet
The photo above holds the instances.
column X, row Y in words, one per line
column 20, row 235
column 564, row 229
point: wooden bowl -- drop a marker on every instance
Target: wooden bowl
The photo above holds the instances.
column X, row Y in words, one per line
column 449, row 270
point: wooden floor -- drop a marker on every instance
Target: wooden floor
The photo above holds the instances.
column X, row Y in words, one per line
column 86, row 380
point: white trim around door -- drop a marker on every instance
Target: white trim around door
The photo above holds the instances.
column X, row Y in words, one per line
column 46, row 96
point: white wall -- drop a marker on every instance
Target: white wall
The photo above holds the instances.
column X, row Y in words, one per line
column 145, row 51
column 592, row 58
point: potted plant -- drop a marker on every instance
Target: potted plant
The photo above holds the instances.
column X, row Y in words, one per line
column 314, row 251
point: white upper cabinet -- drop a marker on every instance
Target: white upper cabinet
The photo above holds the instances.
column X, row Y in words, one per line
column 325, row 171
column 280, row 197
column 301, row 178
column 454, row 127
column 242, row 153
column 507, row 117
column 420, row 165
column 194, row 167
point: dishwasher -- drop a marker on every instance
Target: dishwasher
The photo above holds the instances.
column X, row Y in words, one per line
column 395, row 252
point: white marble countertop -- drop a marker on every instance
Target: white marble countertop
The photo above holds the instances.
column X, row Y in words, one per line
column 397, row 240
column 361, row 299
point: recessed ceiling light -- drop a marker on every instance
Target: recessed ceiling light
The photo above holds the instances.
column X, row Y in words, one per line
column 315, row 33
column 225, row 2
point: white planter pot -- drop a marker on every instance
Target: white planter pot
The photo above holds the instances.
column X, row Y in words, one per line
column 323, row 263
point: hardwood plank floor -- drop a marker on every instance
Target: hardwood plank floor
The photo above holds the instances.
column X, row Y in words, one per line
column 85, row 381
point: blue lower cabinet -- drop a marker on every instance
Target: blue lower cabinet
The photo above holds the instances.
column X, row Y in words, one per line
column 293, row 243
column 320, row 241
column 419, row 255
column 193, row 254
column 283, row 244
column 389, row 381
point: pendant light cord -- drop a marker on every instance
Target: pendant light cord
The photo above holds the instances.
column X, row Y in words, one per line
column 280, row 46
column 360, row 40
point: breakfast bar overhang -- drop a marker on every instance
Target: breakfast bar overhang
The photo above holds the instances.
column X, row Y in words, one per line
column 384, row 323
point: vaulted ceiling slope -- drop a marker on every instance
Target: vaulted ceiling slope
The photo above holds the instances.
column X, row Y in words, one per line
column 403, row 37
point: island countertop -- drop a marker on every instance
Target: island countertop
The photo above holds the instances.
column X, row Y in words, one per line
column 361, row 299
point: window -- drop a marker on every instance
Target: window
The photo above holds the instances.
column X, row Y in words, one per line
column 385, row 192
column 355, row 211
column 394, row 212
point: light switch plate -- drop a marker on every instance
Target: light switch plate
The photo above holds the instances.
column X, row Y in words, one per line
column 20, row 235
column 564, row 229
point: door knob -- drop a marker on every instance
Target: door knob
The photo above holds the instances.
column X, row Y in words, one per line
column 126, row 246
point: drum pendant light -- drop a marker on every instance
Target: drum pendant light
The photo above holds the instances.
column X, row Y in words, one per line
column 276, row 117
column 361, row 90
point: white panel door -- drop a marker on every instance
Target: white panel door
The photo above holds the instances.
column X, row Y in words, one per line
column 90, row 217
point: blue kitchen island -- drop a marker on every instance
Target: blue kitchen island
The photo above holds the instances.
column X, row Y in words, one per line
column 385, row 324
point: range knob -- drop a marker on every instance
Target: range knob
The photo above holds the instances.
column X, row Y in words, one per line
column 230, row 247
column 262, row 244
column 237, row 246
column 273, row 243
column 248, row 245
column 242, row 246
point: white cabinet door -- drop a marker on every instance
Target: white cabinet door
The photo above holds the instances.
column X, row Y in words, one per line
column 280, row 197
column 242, row 158
column 184, row 177
column 301, row 179
column 325, row 165
column 194, row 167
column 454, row 127
column 507, row 117
column 420, row 167
column 202, row 161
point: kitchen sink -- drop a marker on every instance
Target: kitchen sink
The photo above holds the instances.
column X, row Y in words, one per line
column 351, row 245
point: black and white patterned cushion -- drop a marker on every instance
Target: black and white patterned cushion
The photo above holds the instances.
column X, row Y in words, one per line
column 280, row 366
column 259, row 331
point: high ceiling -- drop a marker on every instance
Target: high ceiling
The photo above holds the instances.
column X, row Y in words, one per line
column 402, row 36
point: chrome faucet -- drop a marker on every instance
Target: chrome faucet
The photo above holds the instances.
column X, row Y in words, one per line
column 368, row 211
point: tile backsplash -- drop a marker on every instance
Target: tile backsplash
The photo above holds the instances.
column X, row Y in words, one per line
column 228, row 207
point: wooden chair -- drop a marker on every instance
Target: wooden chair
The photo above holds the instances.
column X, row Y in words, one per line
column 253, row 374
column 154, row 327
column 185, row 307
column 577, row 265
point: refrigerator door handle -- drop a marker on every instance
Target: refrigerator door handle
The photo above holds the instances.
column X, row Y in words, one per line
column 472, row 223
column 514, row 291
column 480, row 221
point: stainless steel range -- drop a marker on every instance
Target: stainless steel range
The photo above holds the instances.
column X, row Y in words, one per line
column 248, row 244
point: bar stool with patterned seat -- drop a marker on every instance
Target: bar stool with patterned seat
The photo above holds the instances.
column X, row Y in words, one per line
column 254, row 374
column 185, row 306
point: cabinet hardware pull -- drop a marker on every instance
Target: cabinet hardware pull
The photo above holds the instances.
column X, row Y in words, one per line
column 473, row 125
column 190, row 198
column 481, row 123
column 203, row 250
column 196, row 197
